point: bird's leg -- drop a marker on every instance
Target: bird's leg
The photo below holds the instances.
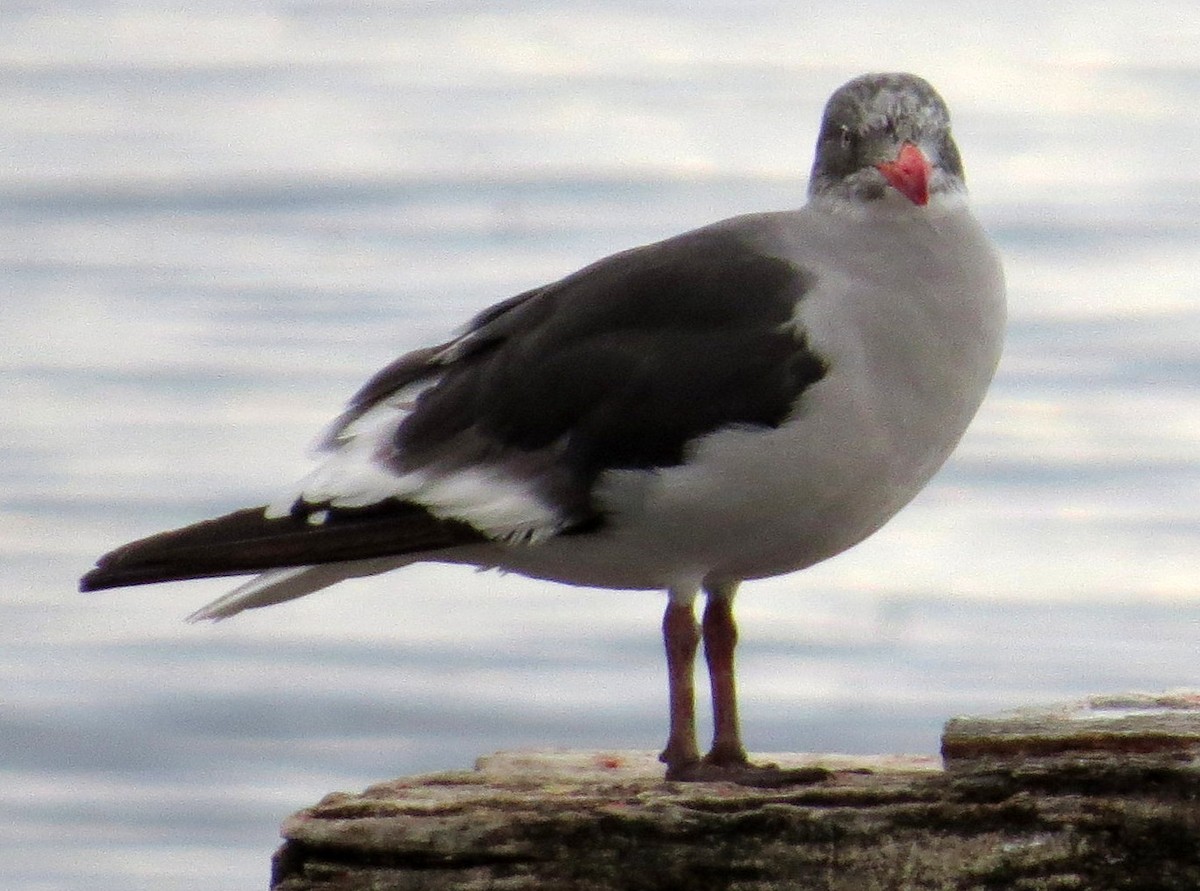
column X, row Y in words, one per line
column 681, row 636
column 720, row 640
column 726, row 761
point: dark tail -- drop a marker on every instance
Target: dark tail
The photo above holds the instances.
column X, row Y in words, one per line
column 246, row 541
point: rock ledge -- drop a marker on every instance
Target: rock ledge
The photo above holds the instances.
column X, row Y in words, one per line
column 1101, row 794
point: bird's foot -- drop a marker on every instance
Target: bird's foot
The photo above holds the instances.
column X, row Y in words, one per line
column 714, row 768
column 679, row 753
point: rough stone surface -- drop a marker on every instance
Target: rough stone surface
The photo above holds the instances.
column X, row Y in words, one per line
column 1166, row 725
column 1101, row 794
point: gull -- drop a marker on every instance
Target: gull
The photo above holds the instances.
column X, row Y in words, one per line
column 737, row 402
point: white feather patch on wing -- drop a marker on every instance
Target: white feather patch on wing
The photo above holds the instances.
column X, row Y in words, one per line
column 500, row 504
column 349, row 477
column 349, row 473
column 387, row 413
column 500, row 507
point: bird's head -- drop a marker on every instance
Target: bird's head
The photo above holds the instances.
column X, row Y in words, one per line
column 884, row 136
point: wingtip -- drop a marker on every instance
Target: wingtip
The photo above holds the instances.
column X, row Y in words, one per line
column 93, row 580
column 112, row 571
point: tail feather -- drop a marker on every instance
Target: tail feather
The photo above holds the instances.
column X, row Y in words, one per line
column 280, row 585
column 247, row 541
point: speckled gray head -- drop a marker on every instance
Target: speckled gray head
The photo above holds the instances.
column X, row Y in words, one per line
column 881, row 132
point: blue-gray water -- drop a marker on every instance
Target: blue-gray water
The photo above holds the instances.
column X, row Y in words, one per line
column 216, row 219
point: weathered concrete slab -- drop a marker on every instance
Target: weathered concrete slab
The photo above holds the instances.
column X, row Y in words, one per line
column 1095, row 795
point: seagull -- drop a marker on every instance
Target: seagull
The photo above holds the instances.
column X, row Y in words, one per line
column 736, row 402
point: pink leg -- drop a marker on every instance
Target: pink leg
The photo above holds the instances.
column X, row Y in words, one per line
column 720, row 640
column 681, row 637
column 726, row 761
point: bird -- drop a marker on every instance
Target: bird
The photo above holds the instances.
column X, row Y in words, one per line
column 737, row 402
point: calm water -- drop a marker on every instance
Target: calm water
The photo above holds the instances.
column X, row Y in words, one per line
column 215, row 222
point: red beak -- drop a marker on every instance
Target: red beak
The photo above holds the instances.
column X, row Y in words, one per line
column 909, row 174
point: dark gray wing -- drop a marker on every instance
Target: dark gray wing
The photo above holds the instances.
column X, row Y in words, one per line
column 620, row 365
column 414, row 368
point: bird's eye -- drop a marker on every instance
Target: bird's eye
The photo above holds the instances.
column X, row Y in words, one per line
column 847, row 138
